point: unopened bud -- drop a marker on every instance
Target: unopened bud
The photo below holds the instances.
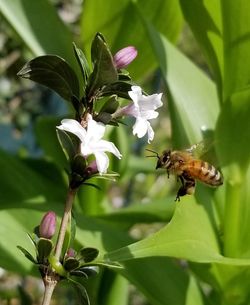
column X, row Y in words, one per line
column 47, row 226
column 124, row 57
column 71, row 253
column 91, row 169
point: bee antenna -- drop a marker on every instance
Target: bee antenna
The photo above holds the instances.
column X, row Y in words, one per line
column 156, row 155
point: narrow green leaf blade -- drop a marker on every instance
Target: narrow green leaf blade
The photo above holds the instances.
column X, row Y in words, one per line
column 193, row 101
column 208, row 32
column 236, row 24
column 27, row 254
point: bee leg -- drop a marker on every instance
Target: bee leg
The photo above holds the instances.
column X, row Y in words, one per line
column 182, row 189
column 188, row 186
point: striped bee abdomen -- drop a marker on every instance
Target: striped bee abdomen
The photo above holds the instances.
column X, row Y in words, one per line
column 205, row 172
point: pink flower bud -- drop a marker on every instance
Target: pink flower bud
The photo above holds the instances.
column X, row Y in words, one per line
column 91, row 169
column 124, row 57
column 70, row 253
column 47, row 226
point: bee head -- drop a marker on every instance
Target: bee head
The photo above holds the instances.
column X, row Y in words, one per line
column 164, row 160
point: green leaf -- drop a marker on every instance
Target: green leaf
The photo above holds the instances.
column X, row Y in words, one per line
column 44, row 248
column 160, row 279
column 69, row 144
column 88, row 254
column 86, row 271
column 119, row 88
column 110, row 106
column 193, row 103
column 81, row 292
column 16, row 189
column 78, row 165
column 119, row 136
column 71, row 263
column 194, row 294
column 236, row 24
column 233, row 159
column 207, row 30
column 53, row 37
column 122, row 27
column 114, row 287
column 46, row 133
column 83, row 63
column 108, row 264
column 189, row 235
column 27, row 254
column 55, row 73
column 153, row 211
column 104, row 70
column 106, row 111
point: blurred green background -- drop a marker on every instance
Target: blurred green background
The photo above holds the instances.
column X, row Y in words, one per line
column 197, row 54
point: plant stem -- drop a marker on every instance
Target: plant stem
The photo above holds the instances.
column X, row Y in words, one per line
column 50, row 284
column 64, row 222
column 232, row 220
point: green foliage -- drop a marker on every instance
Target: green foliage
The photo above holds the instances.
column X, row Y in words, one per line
column 53, row 72
column 210, row 229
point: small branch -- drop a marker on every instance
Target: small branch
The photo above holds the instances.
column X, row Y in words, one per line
column 64, row 222
column 50, row 284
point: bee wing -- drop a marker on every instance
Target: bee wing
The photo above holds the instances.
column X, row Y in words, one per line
column 204, row 150
column 198, row 149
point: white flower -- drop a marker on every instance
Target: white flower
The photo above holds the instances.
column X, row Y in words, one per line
column 143, row 109
column 91, row 141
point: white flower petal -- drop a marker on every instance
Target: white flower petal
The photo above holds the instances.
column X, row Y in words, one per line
column 135, row 94
column 145, row 110
column 104, row 145
column 102, row 162
column 95, row 130
column 74, row 127
column 86, row 150
column 149, row 115
column 151, row 133
column 140, row 127
column 150, row 102
column 91, row 142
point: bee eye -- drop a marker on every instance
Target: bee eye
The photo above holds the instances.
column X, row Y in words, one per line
column 165, row 159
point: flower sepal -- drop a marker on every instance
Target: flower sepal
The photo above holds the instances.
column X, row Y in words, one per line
column 88, row 254
column 123, row 75
column 44, row 249
column 105, row 113
column 78, row 165
column 71, row 263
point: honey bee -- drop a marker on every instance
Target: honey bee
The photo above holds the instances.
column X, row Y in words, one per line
column 188, row 169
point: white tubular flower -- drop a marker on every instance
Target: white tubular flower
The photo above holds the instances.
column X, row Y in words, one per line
column 143, row 109
column 91, row 141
